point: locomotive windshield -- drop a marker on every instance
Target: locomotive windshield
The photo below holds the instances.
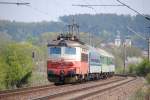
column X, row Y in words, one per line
column 70, row 51
column 55, row 50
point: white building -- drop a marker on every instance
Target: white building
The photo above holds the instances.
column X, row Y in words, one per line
column 128, row 41
column 118, row 41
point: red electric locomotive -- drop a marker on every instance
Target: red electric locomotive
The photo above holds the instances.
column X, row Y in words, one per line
column 68, row 60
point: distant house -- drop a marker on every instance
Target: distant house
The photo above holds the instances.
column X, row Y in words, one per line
column 128, row 41
column 118, row 40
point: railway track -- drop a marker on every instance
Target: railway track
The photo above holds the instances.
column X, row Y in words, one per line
column 8, row 93
column 34, row 92
column 81, row 93
column 21, row 90
column 103, row 89
column 24, row 89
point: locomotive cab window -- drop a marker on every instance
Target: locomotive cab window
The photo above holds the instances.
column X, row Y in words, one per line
column 55, row 50
column 70, row 51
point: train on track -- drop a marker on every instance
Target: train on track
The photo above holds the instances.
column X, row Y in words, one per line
column 70, row 60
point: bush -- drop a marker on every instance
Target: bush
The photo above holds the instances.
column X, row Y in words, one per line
column 19, row 60
column 15, row 64
column 143, row 68
column 132, row 69
column 3, row 67
column 148, row 78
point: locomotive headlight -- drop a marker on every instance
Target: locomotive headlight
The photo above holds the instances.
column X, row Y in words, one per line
column 62, row 72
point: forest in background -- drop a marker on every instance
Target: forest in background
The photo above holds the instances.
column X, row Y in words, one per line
column 106, row 26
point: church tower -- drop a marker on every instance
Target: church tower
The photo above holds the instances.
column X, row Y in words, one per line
column 128, row 41
column 118, row 40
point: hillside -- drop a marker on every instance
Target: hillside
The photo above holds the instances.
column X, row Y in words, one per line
column 105, row 26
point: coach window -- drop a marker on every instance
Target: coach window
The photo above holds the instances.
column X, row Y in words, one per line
column 111, row 61
column 108, row 61
column 102, row 59
column 55, row 50
column 105, row 60
column 70, row 51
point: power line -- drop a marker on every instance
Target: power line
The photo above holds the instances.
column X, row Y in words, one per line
column 134, row 10
column 88, row 5
column 15, row 3
column 92, row 6
column 26, row 4
column 121, row 4
column 130, row 29
column 147, row 40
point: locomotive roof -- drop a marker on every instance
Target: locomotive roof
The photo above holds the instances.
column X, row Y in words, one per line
column 69, row 43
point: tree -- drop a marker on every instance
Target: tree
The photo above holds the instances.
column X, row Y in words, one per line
column 19, row 61
column 143, row 68
column 3, row 67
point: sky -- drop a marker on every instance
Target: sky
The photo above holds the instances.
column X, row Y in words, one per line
column 50, row 10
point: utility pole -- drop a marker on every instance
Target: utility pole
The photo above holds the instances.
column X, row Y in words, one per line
column 148, row 46
column 89, row 38
column 149, row 49
column 124, row 54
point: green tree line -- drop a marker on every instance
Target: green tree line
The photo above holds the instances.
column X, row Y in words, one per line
column 98, row 24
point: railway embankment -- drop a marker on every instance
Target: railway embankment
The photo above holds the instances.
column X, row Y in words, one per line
column 114, row 88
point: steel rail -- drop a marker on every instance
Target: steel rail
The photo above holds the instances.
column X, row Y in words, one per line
column 73, row 91
column 25, row 90
column 103, row 90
